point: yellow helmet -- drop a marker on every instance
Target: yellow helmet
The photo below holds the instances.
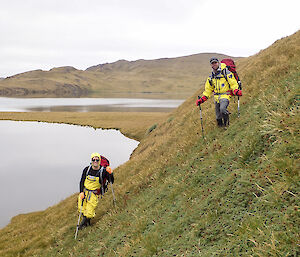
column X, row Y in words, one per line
column 94, row 155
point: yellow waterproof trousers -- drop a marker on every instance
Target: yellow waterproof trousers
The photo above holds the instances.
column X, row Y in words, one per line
column 89, row 204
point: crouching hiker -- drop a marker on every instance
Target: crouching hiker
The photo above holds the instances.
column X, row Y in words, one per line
column 93, row 183
column 223, row 85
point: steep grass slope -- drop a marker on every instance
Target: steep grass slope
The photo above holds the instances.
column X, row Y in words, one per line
column 234, row 193
column 160, row 78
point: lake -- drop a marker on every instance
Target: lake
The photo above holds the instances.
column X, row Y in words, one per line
column 41, row 163
column 87, row 104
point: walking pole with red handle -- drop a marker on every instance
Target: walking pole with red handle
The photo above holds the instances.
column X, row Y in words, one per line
column 201, row 118
column 109, row 170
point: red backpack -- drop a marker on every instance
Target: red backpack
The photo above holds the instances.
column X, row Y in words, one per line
column 104, row 162
column 232, row 68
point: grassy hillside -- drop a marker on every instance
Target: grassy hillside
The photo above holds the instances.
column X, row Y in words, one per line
column 234, row 193
column 161, row 78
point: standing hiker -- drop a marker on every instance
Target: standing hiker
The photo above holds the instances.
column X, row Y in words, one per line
column 223, row 85
column 93, row 183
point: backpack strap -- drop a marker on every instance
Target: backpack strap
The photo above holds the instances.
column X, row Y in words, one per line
column 101, row 179
column 88, row 169
column 224, row 73
column 210, row 79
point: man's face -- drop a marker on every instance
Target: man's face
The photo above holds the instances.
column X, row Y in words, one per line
column 215, row 65
column 95, row 162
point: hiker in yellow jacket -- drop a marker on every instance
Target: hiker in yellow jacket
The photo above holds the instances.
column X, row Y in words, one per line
column 223, row 85
column 93, row 183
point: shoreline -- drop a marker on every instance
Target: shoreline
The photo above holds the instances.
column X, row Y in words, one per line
column 133, row 125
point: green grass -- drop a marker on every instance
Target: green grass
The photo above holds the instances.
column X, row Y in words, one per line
column 236, row 193
column 212, row 204
column 151, row 128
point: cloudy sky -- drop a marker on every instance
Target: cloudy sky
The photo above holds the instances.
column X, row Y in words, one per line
column 42, row 34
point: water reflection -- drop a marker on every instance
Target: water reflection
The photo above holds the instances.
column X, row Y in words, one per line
column 41, row 163
column 87, row 104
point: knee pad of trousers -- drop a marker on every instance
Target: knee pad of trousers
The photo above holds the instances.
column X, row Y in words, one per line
column 224, row 111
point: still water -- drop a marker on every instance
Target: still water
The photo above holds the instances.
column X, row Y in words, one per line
column 87, row 104
column 41, row 163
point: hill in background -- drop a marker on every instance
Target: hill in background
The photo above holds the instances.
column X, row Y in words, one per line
column 161, row 78
column 234, row 193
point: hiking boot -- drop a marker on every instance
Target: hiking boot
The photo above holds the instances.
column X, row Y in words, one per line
column 220, row 123
column 88, row 222
column 83, row 223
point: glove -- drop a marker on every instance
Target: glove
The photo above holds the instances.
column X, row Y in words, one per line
column 109, row 170
column 201, row 100
column 237, row 92
column 81, row 195
column 110, row 176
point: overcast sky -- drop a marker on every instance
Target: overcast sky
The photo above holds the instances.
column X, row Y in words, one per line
column 42, row 34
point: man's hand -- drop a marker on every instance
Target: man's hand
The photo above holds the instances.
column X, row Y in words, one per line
column 109, row 170
column 81, row 195
column 201, row 100
column 110, row 176
column 237, row 92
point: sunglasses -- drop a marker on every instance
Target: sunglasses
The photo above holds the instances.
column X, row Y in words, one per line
column 95, row 160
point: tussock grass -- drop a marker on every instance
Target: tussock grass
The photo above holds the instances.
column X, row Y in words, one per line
column 236, row 193
column 151, row 128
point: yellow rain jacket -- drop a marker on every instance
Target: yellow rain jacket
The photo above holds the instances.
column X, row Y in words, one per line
column 218, row 85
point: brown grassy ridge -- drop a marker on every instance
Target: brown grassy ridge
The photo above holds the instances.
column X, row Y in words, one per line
column 132, row 124
column 174, row 78
column 233, row 194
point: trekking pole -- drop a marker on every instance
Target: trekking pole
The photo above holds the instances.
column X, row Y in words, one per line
column 109, row 170
column 112, row 190
column 201, row 118
column 240, row 88
column 79, row 219
column 238, row 106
